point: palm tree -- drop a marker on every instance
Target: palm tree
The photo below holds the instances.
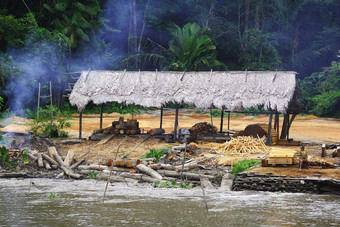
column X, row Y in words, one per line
column 192, row 49
column 74, row 18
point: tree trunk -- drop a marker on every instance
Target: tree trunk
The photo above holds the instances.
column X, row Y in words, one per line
column 143, row 168
column 246, row 24
column 156, row 131
column 189, row 176
column 69, row 158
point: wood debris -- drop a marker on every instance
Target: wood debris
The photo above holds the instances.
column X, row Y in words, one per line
column 316, row 161
column 244, row 145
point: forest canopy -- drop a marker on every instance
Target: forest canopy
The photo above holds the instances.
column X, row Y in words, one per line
column 41, row 41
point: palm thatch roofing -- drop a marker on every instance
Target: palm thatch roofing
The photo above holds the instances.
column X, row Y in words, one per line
column 229, row 89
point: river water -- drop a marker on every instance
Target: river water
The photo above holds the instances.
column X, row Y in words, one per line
column 80, row 203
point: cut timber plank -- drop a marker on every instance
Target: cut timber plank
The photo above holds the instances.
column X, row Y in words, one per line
column 105, row 140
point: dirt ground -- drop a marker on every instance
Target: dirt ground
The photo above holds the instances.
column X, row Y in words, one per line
column 304, row 128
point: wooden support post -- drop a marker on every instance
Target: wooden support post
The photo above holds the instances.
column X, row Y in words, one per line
column 161, row 118
column 228, row 122
column 51, row 93
column 101, row 116
column 176, row 122
column 222, row 114
column 285, row 126
column 323, row 150
column 290, row 124
column 211, row 117
column 269, row 136
column 38, row 101
column 80, row 123
column 278, row 126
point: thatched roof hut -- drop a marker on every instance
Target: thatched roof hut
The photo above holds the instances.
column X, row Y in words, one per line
column 228, row 89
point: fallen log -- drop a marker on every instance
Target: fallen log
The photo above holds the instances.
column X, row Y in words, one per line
column 40, row 161
column 75, row 165
column 32, row 157
column 143, row 168
column 50, row 160
column 47, row 165
column 189, row 176
column 71, row 141
column 98, row 131
column 89, row 171
column 69, row 158
column 171, row 167
column 67, row 170
column 120, row 179
column 9, row 175
column 98, row 167
column 140, row 177
column 156, row 131
column 116, row 169
column 52, row 151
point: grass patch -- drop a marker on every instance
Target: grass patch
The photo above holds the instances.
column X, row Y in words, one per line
column 244, row 165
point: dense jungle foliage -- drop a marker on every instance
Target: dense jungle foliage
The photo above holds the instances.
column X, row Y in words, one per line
column 40, row 41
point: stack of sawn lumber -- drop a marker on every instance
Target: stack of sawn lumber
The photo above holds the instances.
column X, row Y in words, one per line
column 244, row 145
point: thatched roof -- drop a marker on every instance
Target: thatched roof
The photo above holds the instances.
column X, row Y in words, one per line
column 231, row 89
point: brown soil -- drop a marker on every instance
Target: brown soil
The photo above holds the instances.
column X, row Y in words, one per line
column 306, row 129
column 317, row 130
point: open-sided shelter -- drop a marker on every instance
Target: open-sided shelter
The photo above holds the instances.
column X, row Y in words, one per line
column 227, row 90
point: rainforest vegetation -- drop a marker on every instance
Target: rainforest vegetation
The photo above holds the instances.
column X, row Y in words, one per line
column 42, row 41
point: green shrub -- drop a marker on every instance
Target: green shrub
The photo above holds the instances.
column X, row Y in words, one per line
column 244, row 165
column 154, row 153
column 50, row 123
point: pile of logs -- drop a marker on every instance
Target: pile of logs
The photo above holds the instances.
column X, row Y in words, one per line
column 52, row 160
column 129, row 127
column 244, row 145
column 203, row 128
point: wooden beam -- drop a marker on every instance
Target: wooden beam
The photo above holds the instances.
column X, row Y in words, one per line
column 269, row 137
column 176, row 122
column 221, row 125
column 161, row 118
column 80, row 123
column 228, row 122
column 101, row 116
column 290, row 124
column 278, row 126
column 211, row 118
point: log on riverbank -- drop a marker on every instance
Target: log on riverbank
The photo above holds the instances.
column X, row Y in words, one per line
column 14, row 174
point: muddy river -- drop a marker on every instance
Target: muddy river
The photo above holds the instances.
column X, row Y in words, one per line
column 69, row 203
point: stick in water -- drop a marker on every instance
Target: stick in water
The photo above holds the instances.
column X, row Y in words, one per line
column 205, row 200
column 108, row 179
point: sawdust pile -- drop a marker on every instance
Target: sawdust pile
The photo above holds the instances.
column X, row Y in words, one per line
column 203, row 128
column 316, row 161
column 16, row 128
column 244, row 145
column 253, row 130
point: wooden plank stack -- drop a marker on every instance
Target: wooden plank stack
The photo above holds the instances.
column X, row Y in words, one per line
column 129, row 127
column 244, row 145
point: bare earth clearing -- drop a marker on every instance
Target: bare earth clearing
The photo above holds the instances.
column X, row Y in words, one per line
column 304, row 128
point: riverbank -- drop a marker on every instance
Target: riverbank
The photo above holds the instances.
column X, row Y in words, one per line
column 57, row 202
